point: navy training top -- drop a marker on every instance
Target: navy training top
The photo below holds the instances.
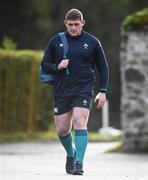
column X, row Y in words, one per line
column 85, row 52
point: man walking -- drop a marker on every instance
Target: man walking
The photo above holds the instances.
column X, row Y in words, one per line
column 73, row 91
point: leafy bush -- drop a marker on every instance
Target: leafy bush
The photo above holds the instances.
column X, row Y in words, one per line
column 25, row 103
column 137, row 20
column 8, row 43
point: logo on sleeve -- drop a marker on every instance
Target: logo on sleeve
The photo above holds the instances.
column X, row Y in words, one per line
column 61, row 45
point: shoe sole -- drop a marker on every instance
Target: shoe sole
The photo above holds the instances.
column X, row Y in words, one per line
column 78, row 172
column 69, row 172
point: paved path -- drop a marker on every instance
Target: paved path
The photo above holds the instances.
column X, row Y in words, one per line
column 45, row 161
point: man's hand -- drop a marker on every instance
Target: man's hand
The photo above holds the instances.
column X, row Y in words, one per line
column 63, row 64
column 100, row 99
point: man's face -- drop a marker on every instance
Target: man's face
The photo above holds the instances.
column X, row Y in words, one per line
column 74, row 27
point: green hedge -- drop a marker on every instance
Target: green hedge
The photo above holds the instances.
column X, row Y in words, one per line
column 137, row 20
column 25, row 103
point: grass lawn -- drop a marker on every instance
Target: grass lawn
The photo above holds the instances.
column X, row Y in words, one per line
column 48, row 136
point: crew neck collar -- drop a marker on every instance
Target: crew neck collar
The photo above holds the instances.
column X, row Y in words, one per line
column 67, row 33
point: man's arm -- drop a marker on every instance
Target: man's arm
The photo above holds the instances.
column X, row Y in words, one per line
column 102, row 67
column 47, row 63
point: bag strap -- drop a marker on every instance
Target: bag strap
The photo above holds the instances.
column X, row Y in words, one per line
column 65, row 47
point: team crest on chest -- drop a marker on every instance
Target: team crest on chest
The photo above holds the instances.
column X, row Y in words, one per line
column 85, row 46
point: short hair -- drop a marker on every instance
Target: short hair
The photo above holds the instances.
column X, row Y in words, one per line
column 74, row 14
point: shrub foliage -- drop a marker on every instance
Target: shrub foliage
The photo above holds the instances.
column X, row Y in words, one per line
column 25, row 103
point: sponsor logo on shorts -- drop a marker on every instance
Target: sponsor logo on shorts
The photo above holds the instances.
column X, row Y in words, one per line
column 56, row 110
column 85, row 102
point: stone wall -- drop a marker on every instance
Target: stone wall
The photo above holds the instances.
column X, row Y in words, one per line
column 134, row 90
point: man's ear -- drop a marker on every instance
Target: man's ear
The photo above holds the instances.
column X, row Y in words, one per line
column 65, row 22
column 83, row 22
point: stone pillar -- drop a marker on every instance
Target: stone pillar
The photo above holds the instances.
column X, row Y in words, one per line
column 134, row 90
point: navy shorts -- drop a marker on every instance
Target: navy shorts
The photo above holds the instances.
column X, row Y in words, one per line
column 65, row 104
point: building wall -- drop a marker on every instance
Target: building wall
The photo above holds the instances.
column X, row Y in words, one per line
column 134, row 90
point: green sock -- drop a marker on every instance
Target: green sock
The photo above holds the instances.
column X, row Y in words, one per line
column 67, row 143
column 81, row 140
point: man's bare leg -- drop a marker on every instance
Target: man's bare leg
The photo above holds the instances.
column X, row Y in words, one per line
column 80, row 117
column 80, row 120
column 63, row 125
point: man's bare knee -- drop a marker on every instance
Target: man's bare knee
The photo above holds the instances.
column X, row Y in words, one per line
column 63, row 124
column 79, row 123
column 80, row 118
column 62, row 132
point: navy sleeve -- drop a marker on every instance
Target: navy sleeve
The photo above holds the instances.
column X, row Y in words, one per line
column 102, row 67
column 47, row 62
